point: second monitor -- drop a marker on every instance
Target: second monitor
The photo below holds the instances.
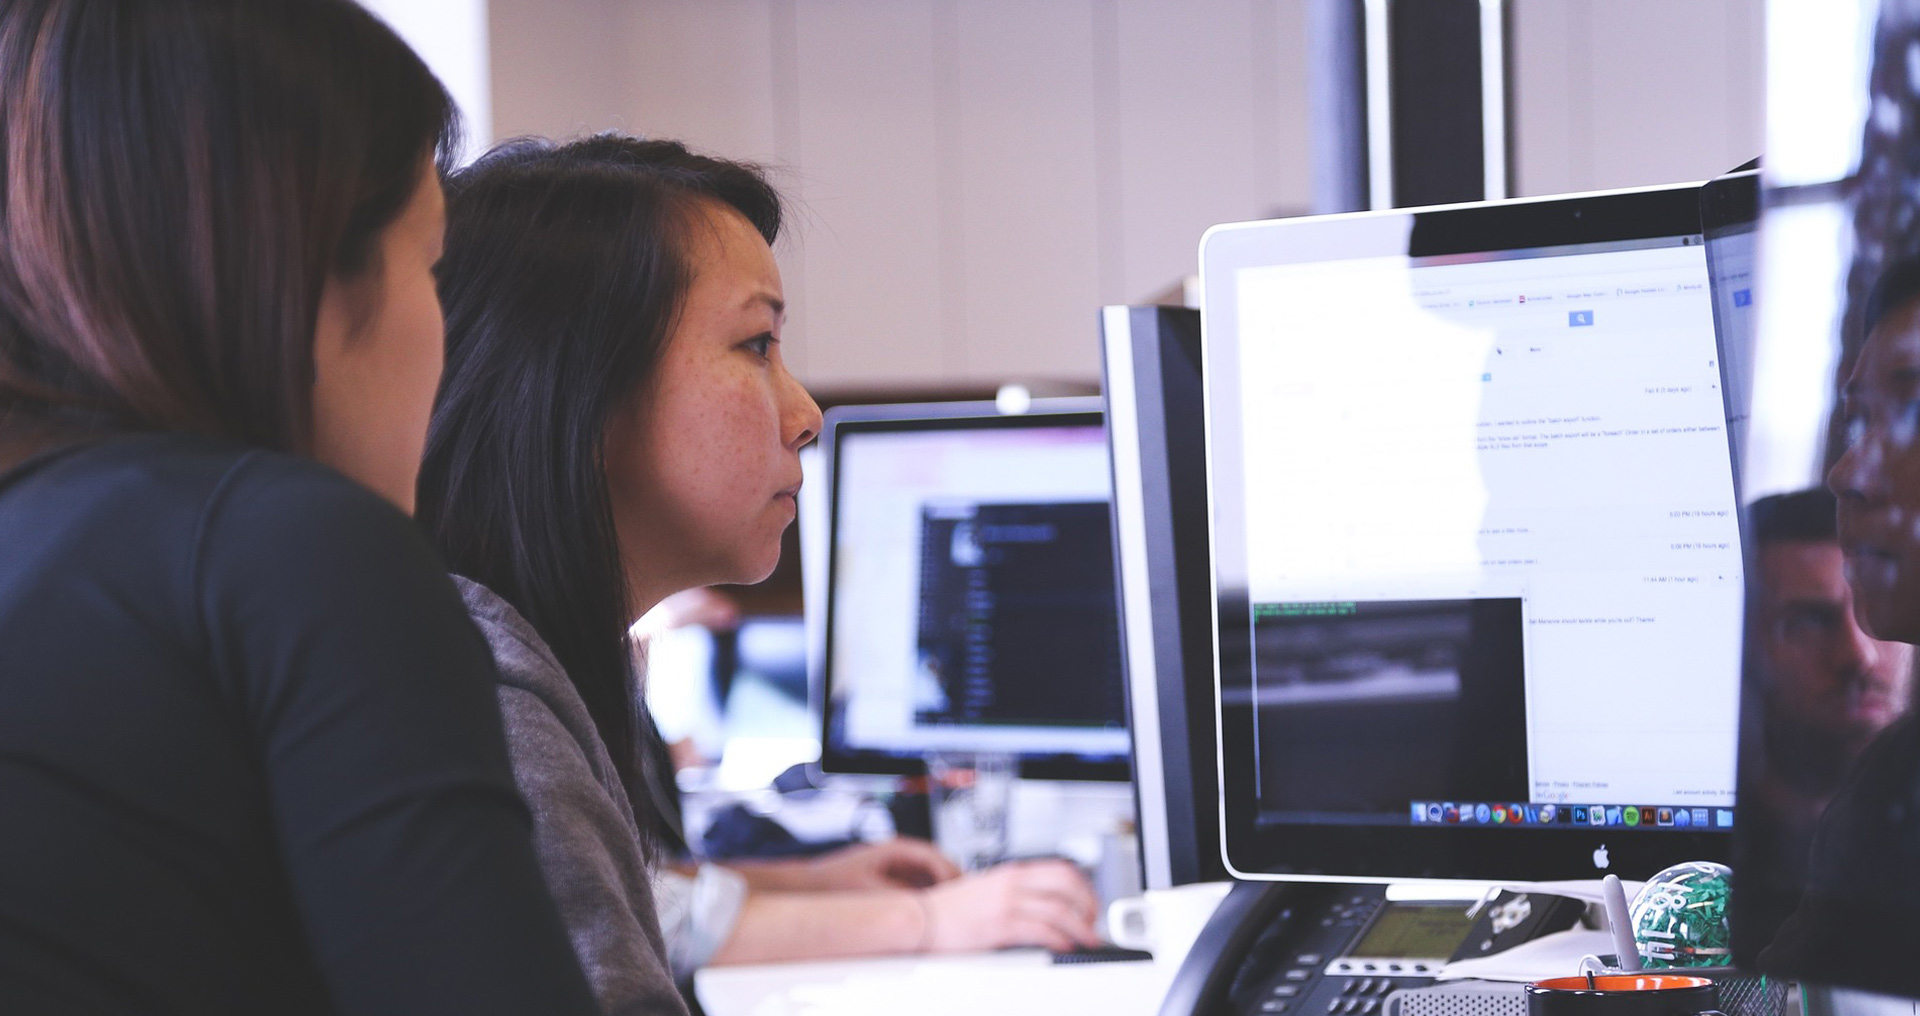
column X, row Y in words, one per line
column 970, row 594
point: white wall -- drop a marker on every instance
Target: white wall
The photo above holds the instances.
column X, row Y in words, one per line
column 1620, row 93
column 974, row 178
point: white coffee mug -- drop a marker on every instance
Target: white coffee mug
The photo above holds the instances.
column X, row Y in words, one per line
column 1163, row 919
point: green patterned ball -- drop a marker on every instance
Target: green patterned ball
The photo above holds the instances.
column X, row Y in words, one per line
column 1680, row 916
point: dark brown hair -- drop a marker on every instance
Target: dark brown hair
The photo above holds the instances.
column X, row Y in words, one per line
column 180, row 180
column 565, row 267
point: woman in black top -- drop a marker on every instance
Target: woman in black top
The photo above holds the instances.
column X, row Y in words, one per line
column 249, row 755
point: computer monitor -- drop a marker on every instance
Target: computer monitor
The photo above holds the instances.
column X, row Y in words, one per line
column 1157, row 430
column 1478, row 581
column 970, row 590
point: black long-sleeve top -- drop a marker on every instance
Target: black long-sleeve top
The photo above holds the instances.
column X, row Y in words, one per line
column 250, row 757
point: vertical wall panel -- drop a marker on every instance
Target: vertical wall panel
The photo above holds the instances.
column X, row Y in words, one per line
column 1661, row 91
column 1189, row 149
column 558, row 69
column 701, row 71
column 1625, row 93
column 869, row 210
column 1549, row 83
column 1745, row 30
column 1280, row 106
column 1024, row 179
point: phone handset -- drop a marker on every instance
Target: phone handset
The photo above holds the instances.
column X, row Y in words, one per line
column 1250, row 912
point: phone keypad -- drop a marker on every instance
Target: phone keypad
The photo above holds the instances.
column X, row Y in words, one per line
column 1308, row 975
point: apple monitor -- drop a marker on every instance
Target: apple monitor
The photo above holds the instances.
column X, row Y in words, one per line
column 1476, row 548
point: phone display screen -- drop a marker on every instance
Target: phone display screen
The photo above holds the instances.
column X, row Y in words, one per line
column 1414, row 930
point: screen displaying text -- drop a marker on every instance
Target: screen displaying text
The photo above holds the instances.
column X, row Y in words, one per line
column 1545, row 428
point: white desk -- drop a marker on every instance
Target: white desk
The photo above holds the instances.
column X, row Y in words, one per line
column 1011, row 983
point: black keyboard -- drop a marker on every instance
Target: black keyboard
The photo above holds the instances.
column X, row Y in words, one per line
column 1102, row 954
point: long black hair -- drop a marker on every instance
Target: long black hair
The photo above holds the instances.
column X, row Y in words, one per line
column 565, row 268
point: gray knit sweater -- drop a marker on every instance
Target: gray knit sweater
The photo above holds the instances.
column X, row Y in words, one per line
column 584, row 831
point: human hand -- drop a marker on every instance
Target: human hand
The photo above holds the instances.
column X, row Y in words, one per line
column 899, row 863
column 1044, row 903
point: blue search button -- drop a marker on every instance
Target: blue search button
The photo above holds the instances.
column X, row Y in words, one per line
column 1579, row 319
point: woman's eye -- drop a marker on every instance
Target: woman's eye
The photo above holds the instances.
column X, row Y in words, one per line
column 1907, row 425
column 761, row 345
column 1856, row 428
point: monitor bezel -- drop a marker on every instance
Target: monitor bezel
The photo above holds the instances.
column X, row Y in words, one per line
column 1374, row 852
column 842, row 421
column 1151, row 368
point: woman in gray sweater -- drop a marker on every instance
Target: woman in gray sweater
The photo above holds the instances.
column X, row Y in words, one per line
column 616, row 424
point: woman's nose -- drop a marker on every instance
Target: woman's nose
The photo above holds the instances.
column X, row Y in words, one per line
column 1857, row 473
column 801, row 415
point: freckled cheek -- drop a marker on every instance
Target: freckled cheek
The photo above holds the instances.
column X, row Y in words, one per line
column 747, row 422
column 1903, row 486
column 714, row 455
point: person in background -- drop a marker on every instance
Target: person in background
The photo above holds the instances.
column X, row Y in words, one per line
column 747, row 909
column 1866, row 847
column 1830, row 688
column 250, row 759
column 680, row 640
column 618, row 424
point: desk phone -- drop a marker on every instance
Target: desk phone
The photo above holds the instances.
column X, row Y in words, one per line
column 1333, row 949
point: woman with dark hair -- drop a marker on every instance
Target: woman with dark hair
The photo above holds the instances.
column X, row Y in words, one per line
column 1863, row 868
column 249, row 755
column 616, row 424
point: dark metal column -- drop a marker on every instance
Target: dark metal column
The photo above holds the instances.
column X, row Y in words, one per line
column 1409, row 102
column 1337, row 104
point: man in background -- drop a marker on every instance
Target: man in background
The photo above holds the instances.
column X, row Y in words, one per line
column 1830, row 687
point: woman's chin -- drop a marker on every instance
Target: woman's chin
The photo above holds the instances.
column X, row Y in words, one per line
column 755, row 571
